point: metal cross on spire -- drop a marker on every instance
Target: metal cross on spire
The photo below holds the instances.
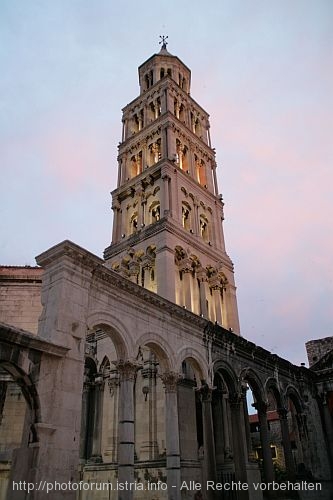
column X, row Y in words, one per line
column 163, row 41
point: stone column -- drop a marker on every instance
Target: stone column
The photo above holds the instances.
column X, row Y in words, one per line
column 164, row 264
column 149, row 446
column 187, row 277
column 196, row 221
column 96, row 453
column 177, row 108
column 209, row 473
column 224, row 307
column 246, row 421
column 328, row 426
column 144, row 155
column 170, row 381
column 164, row 142
column 112, row 424
column 84, row 421
column 209, row 176
column 191, row 159
column 261, row 408
column 203, row 290
column 116, row 222
column 239, row 441
column 288, row 456
column 231, row 306
column 218, row 428
column 216, row 287
column 226, row 428
column 208, row 135
column 147, row 267
column 165, row 201
column 171, row 141
column 127, row 372
column 143, row 215
column 215, row 180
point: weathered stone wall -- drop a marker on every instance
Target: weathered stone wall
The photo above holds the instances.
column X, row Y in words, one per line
column 20, row 289
column 316, row 349
column 11, row 424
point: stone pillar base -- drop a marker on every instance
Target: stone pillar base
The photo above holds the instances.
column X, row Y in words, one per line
column 253, row 477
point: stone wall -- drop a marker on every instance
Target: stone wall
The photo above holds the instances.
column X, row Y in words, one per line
column 316, row 349
column 20, row 289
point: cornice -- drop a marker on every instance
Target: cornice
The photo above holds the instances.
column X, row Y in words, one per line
column 167, row 224
column 149, row 174
column 166, row 119
column 67, row 248
column 12, row 335
column 106, row 275
column 240, row 346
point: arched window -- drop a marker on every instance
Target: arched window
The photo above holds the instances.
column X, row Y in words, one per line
column 154, row 152
column 162, row 72
column 186, row 216
column 156, row 213
column 204, row 229
column 134, row 223
column 136, row 165
column 200, row 167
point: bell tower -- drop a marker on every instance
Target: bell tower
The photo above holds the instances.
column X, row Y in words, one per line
column 167, row 231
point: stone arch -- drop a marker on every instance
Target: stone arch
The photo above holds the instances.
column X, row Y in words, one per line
column 249, row 375
column 228, row 374
column 196, row 360
column 160, row 348
column 26, row 384
column 105, row 366
column 292, row 393
column 186, row 215
column 115, row 329
column 272, row 385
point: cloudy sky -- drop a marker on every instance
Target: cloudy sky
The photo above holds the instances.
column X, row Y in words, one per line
column 262, row 69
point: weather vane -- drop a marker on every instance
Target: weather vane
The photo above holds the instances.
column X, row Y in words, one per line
column 163, row 41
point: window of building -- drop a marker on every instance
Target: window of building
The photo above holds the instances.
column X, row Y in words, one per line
column 186, row 216
column 156, row 214
column 204, row 233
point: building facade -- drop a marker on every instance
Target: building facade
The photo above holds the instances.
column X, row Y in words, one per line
column 132, row 367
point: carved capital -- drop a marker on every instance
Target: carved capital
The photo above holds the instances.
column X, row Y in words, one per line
column 215, row 283
column 127, row 369
column 115, row 205
column 170, row 381
column 206, row 393
column 113, row 383
column 185, row 266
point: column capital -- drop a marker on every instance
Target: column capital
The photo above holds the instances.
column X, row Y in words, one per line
column 113, row 383
column 170, row 380
column 127, row 369
column 206, row 393
column 115, row 205
column 185, row 266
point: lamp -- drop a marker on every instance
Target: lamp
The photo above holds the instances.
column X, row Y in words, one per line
column 145, row 390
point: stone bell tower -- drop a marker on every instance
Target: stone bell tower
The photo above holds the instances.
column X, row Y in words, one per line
column 167, row 230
